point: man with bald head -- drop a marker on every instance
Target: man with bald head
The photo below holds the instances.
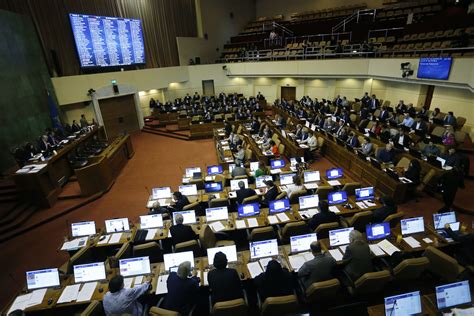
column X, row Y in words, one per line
column 180, row 232
column 319, row 269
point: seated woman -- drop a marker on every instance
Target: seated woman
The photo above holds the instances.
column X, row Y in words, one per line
column 448, row 137
column 296, row 186
column 262, row 170
column 275, row 281
column 274, row 149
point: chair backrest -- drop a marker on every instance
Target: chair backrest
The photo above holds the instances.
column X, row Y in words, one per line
column 442, row 264
column 262, row 233
column 371, row 282
column 281, row 149
column 322, row 291
column 293, row 229
column 207, row 237
column 403, row 163
column 323, row 191
column 150, row 249
column 360, row 220
column 280, row 305
column 460, row 136
column 198, row 182
column 438, row 131
column 410, row 269
column 95, row 308
column 394, row 219
column 233, row 307
column 82, row 256
column 350, row 187
column 320, row 142
column 218, row 203
column 251, row 199
column 295, row 196
column 190, row 245
column 460, row 121
column 192, row 206
column 322, row 231
column 281, row 195
column 248, row 154
column 158, row 311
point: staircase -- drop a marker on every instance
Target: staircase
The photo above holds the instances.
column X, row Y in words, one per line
column 170, row 130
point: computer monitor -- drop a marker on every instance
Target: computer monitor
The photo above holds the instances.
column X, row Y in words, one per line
column 308, row 201
column 311, row 176
column 217, row 214
column 455, row 226
column 234, row 184
column 403, row 304
column 89, row 272
column 339, row 237
column 334, row 173
column 117, row 225
column 377, row 231
column 364, row 193
column 190, row 171
column 151, row 221
column 83, row 229
column 277, row 163
column 287, row 178
column 337, row 197
column 302, row 242
column 453, row 294
column 293, row 161
column 246, row 210
column 212, row 187
column 214, row 170
column 189, row 217
column 173, row 260
column 265, row 248
column 253, row 165
column 45, row 278
column 441, row 219
column 134, row 266
column 441, row 160
column 260, row 181
column 161, row 193
column 412, row 225
column 229, row 251
column 279, row 206
column 188, row 189
column 231, row 167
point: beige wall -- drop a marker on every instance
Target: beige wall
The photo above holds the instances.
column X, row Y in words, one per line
column 461, row 102
column 74, row 111
column 192, row 47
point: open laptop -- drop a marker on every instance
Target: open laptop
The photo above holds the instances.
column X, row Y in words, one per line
column 276, row 164
column 434, row 161
column 83, row 229
column 253, row 166
column 234, row 184
column 441, row 219
column 339, row 237
column 229, row 251
column 260, row 181
column 191, row 171
column 151, row 221
column 217, row 214
column 40, row 279
column 311, row 178
column 286, row 178
column 89, row 272
column 117, row 225
column 247, row 210
column 264, row 248
column 173, row 260
column 411, row 226
column 279, row 206
column 363, row 194
column 403, row 304
column 377, row 231
column 212, row 170
column 337, row 197
column 231, row 167
column 293, row 163
column 134, row 266
column 213, row 187
column 334, row 173
column 161, row 193
column 302, row 243
column 308, row 201
column 189, row 217
column 452, row 295
column 188, row 189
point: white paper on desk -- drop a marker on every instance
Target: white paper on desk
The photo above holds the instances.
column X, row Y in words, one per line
column 209, row 178
column 69, row 294
column 138, row 280
column 150, row 203
column 283, row 217
column 232, row 194
column 254, row 269
column 264, row 262
column 21, row 302
column 252, row 222
column 334, row 209
column 388, row 247
column 296, row 261
column 272, row 219
column 36, row 297
column 334, row 182
column 369, row 204
column 336, row 254
column 361, row 205
column 204, row 278
column 217, row 226
column 161, row 284
column 86, row 292
column 275, row 171
column 309, row 212
column 164, row 202
column 376, row 250
column 343, row 248
column 412, row 242
column 186, row 180
column 311, row 185
column 104, row 241
column 75, row 243
column 239, row 224
column 127, row 283
column 463, row 312
column 427, row 240
column 115, row 238
column 150, row 234
column 304, row 146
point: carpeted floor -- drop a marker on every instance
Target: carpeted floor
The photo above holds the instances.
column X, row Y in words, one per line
column 158, row 161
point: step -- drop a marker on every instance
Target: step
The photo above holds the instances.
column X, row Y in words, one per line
column 13, row 212
column 7, row 183
column 18, row 221
column 8, row 191
column 166, row 134
column 9, row 198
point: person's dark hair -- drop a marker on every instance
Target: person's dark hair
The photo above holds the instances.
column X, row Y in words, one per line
column 367, row 139
column 415, row 164
column 298, row 159
column 272, row 143
column 323, row 206
column 273, row 270
column 178, row 195
column 220, row 260
column 387, row 200
column 315, row 247
column 116, row 283
column 17, row 312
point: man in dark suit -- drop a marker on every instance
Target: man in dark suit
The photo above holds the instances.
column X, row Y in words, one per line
column 353, row 140
column 319, row 269
column 358, row 256
column 373, row 103
column 388, row 208
column 384, row 114
column 243, row 192
column 402, row 139
column 181, row 232
column 272, row 193
column 324, row 216
column 449, row 119
column 182, row 290
column 386, row 155
column 179, row 201
column 420, row 126
column 224, row 283
column 365, row 99
column 255, row 127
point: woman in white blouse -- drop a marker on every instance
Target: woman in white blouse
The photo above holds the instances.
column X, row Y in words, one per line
column 296, row 186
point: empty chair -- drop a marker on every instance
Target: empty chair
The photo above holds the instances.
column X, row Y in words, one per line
column 323, row 191
column 280, row 305
column 410, row 269
column 218, row 202
column 123, row 253
column 191, row 245
column 293, row 229
column 394, row 219
column 370, row 283
column 193, row 206
column 208, row 239
column 158, row 311
column 350, row 187
column 262, row 233
column 233, row 307
column 150, row 249
column 443, row 265
column 403, row 163
column 358, row 221
column 322, row 231
column 82, row 256
column 251, row 199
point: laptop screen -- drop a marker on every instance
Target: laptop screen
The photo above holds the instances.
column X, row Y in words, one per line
column 217, row 214
column 259, row 182
column 213, row 187
column 311, row 176
column 189, row 217
column 339, row 237
column 246, row 210
column 151, row 221
column 441, row 160
column 334, row 173
column 42, row 278
column 253, row 165
column 308, row 201
column 364, row 193
column 293, row 161
column 229, row 251
column 404, row 304
column 175, row 259
column 188, row 189
column 161, row 193
column 286, row 178
column 377, row 231
column 277, row 163
column 190, row 171
column 234, row 184
column 441, row 219
column 337, row 197
column 453, row 294
column 214, row 170
column 279, row 206
column 134, row 266
column 83, row 229
column 89, row 272
column 302, row 242
column 116, row 225
column 412, row 225
column 231, row 167
column 265, row 248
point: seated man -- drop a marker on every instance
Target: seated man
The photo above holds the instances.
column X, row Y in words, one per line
column 224, row 282
column 275, row 281
column 388, row 208
column 366, row 147
column 358, row 256
column 179, row 201
column 319, row 269
column 119, row 300
column 387, row 154
column 272, row 193
column 239, row 170
column 431, row 150
column 182, row 289
column 180, row 232
column 402, row 139
column 244, row 192
column 452, row 158
column 324, row 216
column 408, row 121
column 239, row 156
